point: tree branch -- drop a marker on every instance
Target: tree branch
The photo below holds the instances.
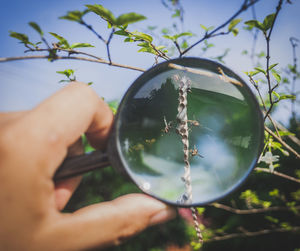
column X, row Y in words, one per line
column 282, row 142
column 207, row 35
column 250, row 211
column 267, row 37
column 101, row 61
column 251, row 234
column 267, row 170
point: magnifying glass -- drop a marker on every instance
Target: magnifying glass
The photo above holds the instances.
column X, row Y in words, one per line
column 187, row 132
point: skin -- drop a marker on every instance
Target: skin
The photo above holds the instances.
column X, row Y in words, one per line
column 32, row 145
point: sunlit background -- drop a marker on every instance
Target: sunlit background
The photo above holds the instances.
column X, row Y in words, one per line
column 23, row 84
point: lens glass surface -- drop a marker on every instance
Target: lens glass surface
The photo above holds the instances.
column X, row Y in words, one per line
column 224, row 131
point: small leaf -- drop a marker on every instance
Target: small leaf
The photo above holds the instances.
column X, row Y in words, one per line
column 129, row 18
column 235, row 31
column 276, row 76
column 89, row 83
column 183, row 34
column 128, row 39
column 253, row 73
column 144, row 44
column 75, row 15
column 61, row 39
column 102, row 12
column 260, row 70
column 206, row 28
column 268, row 21
column 160, row 47
column 176, row 14
column 165, row 31
column 272, row 66
column 121, row 33
column 36, row 27
column 276, row 94
column 141, row 35
column 151, row 27
column 287, row 97
column 80, row 45
column 20, row 36
column 184, row 45
column 255, row 23
column 169, row 37
column 234, row 23
column 149, row 50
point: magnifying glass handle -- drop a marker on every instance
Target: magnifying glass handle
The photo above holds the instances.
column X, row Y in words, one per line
column 73, row 166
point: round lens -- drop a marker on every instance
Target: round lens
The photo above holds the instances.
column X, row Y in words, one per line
column 189, row 131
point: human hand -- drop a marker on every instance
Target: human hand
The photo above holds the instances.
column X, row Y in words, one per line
column 32, row 145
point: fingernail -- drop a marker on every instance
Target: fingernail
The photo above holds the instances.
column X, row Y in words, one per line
column 163, row 216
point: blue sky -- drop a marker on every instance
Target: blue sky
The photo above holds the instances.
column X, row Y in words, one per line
column 23, row 84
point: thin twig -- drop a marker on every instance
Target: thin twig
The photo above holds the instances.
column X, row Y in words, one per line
column 92, row 30
column 251, row 234
column 267, row 37
column 207, row 35
column 282, row 142
column 101, row 61
column 282, row 128
column 107, row 45
column 267, row 170
column 252, row 210
column 255, row 35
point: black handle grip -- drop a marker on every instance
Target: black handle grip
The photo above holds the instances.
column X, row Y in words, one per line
column 73, row 166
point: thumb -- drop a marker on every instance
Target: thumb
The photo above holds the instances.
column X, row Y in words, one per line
column 108, row 223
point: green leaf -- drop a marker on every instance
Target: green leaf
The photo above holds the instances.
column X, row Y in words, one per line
column 61, row 39
column 89, row 83
column 113, row 105
column 121, row 33
column 36, row 27
column 102, row 12
column 268, row 21
column 129, row 18
column 75, row 15
column 183, row 34
column 272, row 66
column 149, row 50
column 165, row 31
column 253, row 73
column 151, row 27
column 160, row 47
column 169, row 37
column 128, row 39
column 176, row 14
column 80, row 45
column 184, row 45
column 20, row 36
column 276, row 76
column 276, row 94
column 67, row 72
column 260, row 70
column 144, row 44
column 287, row 96
column 234, row 23
column 143, row 36
column 235, row 31
column 292, row 68
column 255, row 23
column 206, row 28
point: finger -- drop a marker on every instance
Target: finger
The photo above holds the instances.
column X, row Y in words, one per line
column 7, row 117
column 64, row 190
column 108, row 223
column 60, row 120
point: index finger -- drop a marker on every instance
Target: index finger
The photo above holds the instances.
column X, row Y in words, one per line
column 61, row 119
